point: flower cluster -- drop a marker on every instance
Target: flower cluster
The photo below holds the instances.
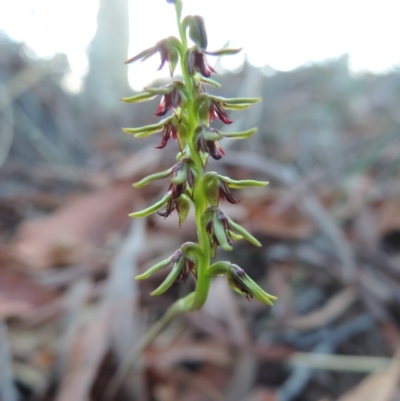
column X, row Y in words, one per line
column 188, row 112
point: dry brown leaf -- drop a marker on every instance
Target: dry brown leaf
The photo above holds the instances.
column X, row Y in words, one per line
column 291, row 224
column 381, row 386
column 19, row 294
column 71, row 234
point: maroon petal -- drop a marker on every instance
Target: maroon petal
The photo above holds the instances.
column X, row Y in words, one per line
column 215, row 150
column 225, row 193
column 168, row 131
column 202, row 65
column 171, row 206
column 217, row 112
column 163, row 55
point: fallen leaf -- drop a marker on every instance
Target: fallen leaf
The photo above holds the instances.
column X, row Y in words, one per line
column 73, row 233
column 291, row 224
column 19, row 293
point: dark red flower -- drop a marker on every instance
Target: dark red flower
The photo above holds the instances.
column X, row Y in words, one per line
column 167, row 48
column 197, row 62
column 187, row 268
column 176, row 190
column 237, row 277
column 169, row 101
column 218, row 112
column 224, row 192
column 170, row 207
column 211, row 230
column 207, row 142
column 169, row 130
column 213, row 148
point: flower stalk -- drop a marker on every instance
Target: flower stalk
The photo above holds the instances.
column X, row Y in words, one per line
column 188, row 112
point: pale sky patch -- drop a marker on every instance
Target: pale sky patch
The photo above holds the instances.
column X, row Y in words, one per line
column 283, row 34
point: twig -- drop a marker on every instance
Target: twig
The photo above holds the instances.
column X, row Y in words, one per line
column 342, row 363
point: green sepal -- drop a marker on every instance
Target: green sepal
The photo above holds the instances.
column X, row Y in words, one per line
column 235, row 100
column 237, row 106
column 224, row 52
column 153, row 208
column 152, row 177
column 234, row 236
column 138, row 133
column 182, row 207
column 173, row 59
column 242, row 183
column 240, row 134
column 141, row 132
column 203, row 157
column 211, row 134
column 258, row 293
column 154, row 269
column 141, row 97
column 243, row 232
column 197, row 30
column 207, row 215
column 212, row 189
column 181, row 175
column 164, row 90
column 171, row 43
column 209, row 81
column 202, row 104
column 145, row 54
column 197, row 79
column 171, row 278
column 220, row 234
column 243, row 284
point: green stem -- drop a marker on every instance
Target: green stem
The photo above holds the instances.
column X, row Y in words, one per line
column 199, row 197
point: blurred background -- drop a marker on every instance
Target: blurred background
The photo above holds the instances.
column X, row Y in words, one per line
column 328, row 142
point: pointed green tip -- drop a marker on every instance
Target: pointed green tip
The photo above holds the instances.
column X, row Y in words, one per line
column 141, row 277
